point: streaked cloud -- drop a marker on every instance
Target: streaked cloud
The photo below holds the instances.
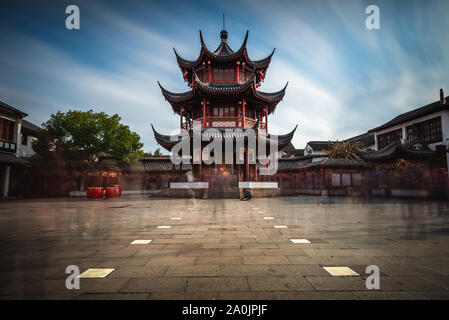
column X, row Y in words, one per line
column 343, row 78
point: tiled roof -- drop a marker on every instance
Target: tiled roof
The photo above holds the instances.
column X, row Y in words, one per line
column 224, row 52
column 416, row 113
column 168, row 142
column 342, row 163
column 412, row 149
column 29, row 126
column 9, row 108
column 320, row 145
column 9, row 158
column 367, row 139
column 161, row 165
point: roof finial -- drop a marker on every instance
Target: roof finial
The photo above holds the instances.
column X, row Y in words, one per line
column 223, row 33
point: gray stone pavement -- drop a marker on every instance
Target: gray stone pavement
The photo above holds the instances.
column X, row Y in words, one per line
column 224, row 249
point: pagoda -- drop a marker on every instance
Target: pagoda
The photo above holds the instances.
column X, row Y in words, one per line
column 224, row 95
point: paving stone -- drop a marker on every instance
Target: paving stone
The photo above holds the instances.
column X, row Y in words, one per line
column 190, row 260
column 337, row 283
column 217, row 284
column 193, row 271
column 171, row 261
column 145, row 285
column 280, row 283
column 265, row 260
column 219, row 260
column 287, row 295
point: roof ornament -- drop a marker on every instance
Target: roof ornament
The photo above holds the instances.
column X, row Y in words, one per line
column 223, row 33
column 442, row 100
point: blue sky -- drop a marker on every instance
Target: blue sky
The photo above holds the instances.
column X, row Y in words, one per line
column 343, row 78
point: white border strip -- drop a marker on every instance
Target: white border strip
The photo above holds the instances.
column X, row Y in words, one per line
column 258, row 185
column 189, row 185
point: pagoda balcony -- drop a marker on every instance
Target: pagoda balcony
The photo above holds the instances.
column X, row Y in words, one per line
column 224, row 122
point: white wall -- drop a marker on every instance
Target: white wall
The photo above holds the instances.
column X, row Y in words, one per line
column 25, row 150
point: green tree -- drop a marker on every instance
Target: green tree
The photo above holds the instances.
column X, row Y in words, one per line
column 157, row 152
column 87, row 136
column 344, row 150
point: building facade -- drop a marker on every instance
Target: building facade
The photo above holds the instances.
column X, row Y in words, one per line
column 16, row 136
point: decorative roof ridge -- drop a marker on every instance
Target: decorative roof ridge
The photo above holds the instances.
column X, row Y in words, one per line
column 277, row 95
column 185, row 62
column 231, row 56
column 174, row 95
column 262, row 62
column 237, row 86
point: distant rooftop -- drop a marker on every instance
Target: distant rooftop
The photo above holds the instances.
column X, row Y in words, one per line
column 12, row 109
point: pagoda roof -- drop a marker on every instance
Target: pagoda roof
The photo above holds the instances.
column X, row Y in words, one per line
column 176, row 98
column 223, row 53
column 169, row 141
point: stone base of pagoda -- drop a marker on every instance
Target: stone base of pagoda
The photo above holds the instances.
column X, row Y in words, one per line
column 189, row 185
column 259, row 189
column 258, row 185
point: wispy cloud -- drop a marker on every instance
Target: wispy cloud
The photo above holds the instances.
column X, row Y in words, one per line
column 343, row 78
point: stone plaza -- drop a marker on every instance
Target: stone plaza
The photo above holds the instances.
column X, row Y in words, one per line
column 265, row 248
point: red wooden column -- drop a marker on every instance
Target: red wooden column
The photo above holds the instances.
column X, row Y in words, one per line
column 255, row 169
column 237, row 72
column 243, row 112
column 181, row 113
column 210, row 71
column 203, row 103
column 266, row 120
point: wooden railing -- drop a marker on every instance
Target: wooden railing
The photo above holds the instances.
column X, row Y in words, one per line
column 7, row 146
column 227, row 122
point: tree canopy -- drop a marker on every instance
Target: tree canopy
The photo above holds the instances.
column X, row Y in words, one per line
column 344, row 150
column 89, row 136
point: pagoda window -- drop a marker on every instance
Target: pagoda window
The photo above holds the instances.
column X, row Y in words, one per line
column 221, row 74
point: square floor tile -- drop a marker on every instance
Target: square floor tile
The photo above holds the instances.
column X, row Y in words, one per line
column 280, row 227
column 300, row 241
column 340, row 271
column 95, row 273
column 268, row 218
column 141, row 241
column 163, row 227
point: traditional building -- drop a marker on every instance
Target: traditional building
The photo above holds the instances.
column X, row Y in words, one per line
column 16, row 135
column 428, row 124
column 224, row 95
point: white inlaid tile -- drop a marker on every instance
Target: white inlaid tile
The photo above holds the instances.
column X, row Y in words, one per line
column 164, row 227
column 95, row 273
column 141, row 241
column 340, row 271
column 280, row 227
column 300, row 241
column 268, row 218
column 175, row 218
